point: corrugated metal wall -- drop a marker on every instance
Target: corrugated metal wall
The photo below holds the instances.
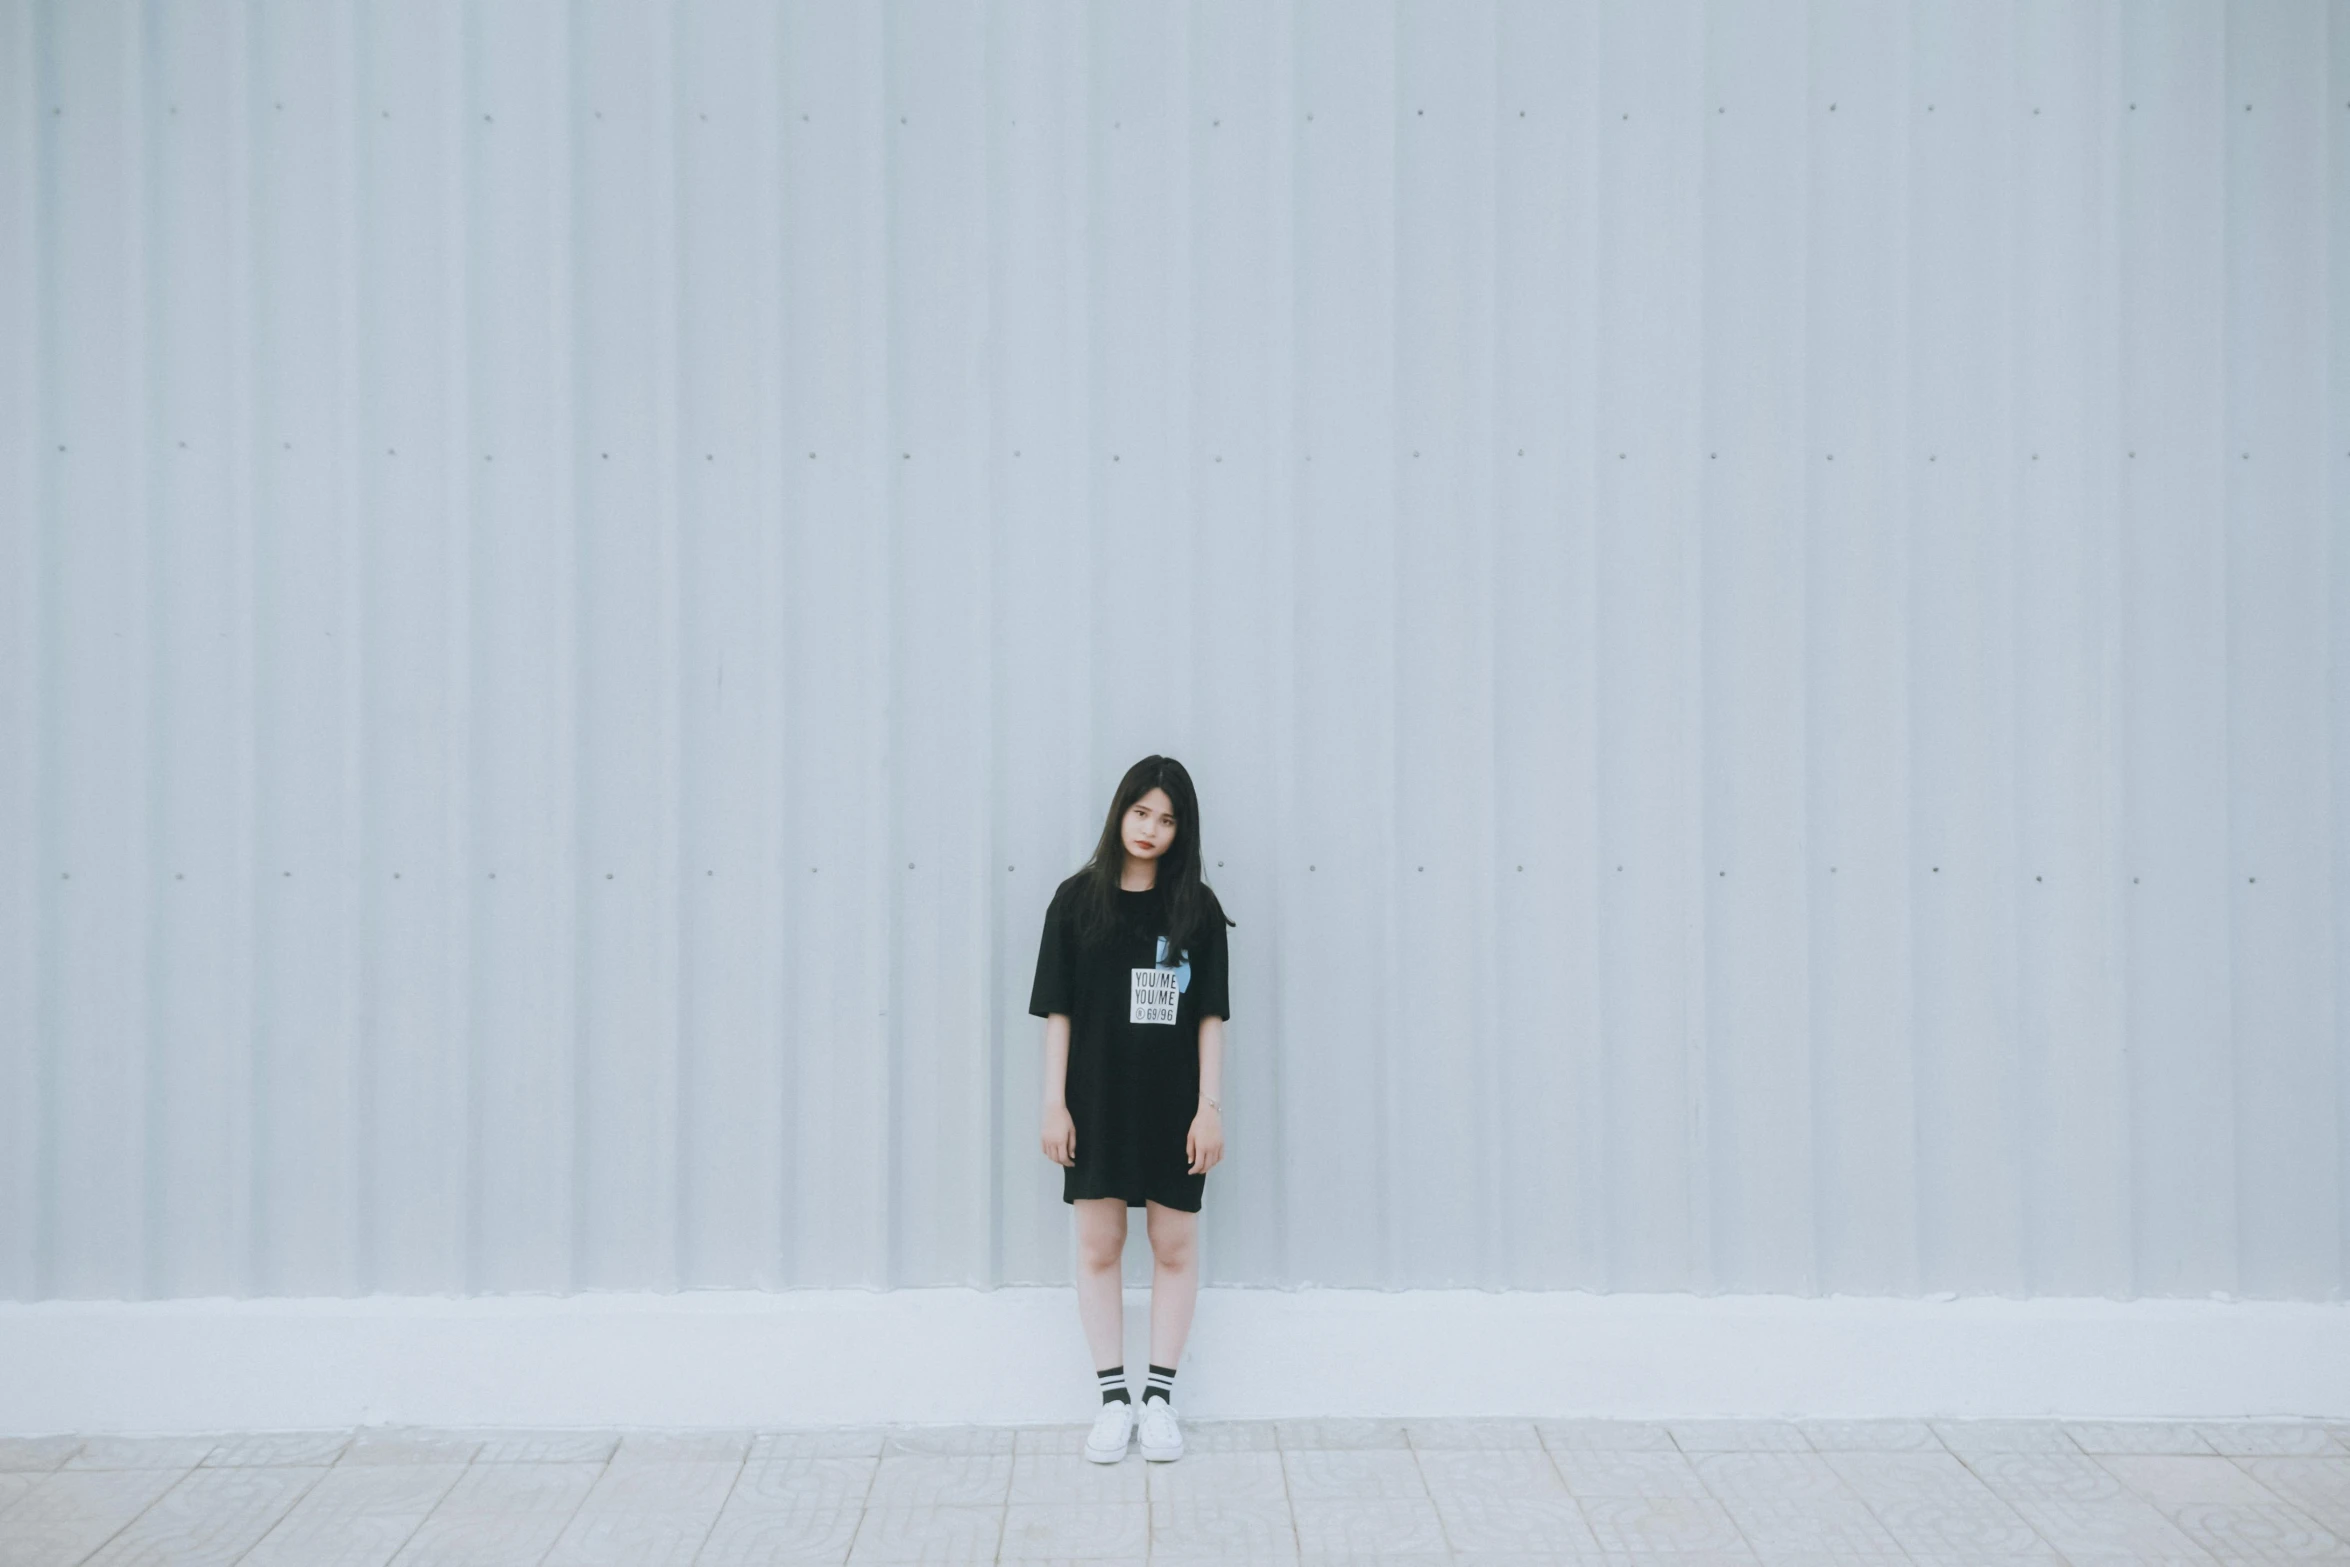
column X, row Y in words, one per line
column 1757, row 594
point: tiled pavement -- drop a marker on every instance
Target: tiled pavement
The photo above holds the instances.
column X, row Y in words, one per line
column 1851, row 1494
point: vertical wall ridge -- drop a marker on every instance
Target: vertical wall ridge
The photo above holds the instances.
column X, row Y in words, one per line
column 893, row 532
column 357, row 873
column 462, row 863
column 141, row 708
column 44, row 674
column 363, row 870
column 2337, row 495
column 25, row 838
column 1283, row 499
column 249, row 1199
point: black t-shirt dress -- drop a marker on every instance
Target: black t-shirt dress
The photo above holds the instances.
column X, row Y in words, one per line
column 1133, row 1084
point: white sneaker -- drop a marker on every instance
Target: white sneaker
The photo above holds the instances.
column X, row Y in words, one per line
column 1162, row 1438
column 1106, row 1442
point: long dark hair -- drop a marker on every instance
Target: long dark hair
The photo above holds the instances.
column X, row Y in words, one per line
column 1190, row 902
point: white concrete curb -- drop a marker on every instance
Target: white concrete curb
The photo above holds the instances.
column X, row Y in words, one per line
column 826, row 1357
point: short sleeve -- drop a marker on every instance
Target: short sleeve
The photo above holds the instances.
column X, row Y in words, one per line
column 1051, row 990
column 1208, row 968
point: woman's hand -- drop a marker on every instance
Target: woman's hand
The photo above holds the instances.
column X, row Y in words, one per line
column 1204, row 1144
column 1060, row 1135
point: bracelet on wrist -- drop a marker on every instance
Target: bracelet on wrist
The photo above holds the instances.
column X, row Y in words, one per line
column 1211, row 1104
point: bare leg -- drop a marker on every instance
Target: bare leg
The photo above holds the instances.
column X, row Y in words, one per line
column 1101, row 1304
column 1174, row 1279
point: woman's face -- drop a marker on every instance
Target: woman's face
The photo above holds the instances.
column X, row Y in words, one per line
column 1149, row 827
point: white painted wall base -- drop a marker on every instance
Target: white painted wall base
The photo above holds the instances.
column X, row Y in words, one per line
column 826, row 1357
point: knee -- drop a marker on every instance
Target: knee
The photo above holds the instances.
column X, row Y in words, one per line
column 1172, row 1248
column 1099, row 1251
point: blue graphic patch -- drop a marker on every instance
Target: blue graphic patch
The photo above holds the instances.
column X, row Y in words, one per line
column 1183, row 969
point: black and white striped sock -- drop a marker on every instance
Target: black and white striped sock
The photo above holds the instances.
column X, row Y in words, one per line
column 1161, row 1384
column 1114, row 1385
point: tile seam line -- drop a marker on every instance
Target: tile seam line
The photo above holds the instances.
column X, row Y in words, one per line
column 317, row 1479
column 603, row 1469
column 741, row 1467
column 127, row 1524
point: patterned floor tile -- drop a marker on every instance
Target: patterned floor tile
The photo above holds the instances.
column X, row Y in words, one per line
column 409, row 1445
column 210, row 1519
column 847, row 1442
column 2065, row 1476
column 2270, row 1438
column 1728, row 1436
column 1087, row 1531
column 677, row 1447
column 950, row 1536
column 2174, row 1481
column 1866, row 1436
column 142, row 1452
column 500, row 1514
column 1072, row 1477
column 2114, row 1527
column 1768, row 1474
column 2266, row 1532
column 251, row 1448
column 36, row 1454
column 1938, row 1476
column 1944, row 1528
column 1233, row 1477
column 1661, row 1523
column 1230, row 1436
column 1809, row 1525
column 547, row 1447
column 1049, row 1439
column 1343, row 1434
column 1516, row 1524
column 942, row 1480
column 1210, row 1526
column 647, row 1513
column 71, row 1512
column 1501, row 1471
column 2320, row 1487
column 1366, row 1526
column 950, row 1441
column 807, row 1482
column 2003, row 1436
column 790, row 1510
column 1604, row 1436
column 1475, row 1435
column 358, row 1515
column 1639, row 1472
column 2135, row 1436
column 1390, row 1474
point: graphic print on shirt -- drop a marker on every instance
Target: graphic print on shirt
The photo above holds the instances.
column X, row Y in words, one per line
column 1153, row 995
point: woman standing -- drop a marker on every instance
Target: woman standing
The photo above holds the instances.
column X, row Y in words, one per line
column 1130, row 980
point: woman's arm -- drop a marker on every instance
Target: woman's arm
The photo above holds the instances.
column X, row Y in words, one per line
column 1205, row 1145
column 1059, row 1133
